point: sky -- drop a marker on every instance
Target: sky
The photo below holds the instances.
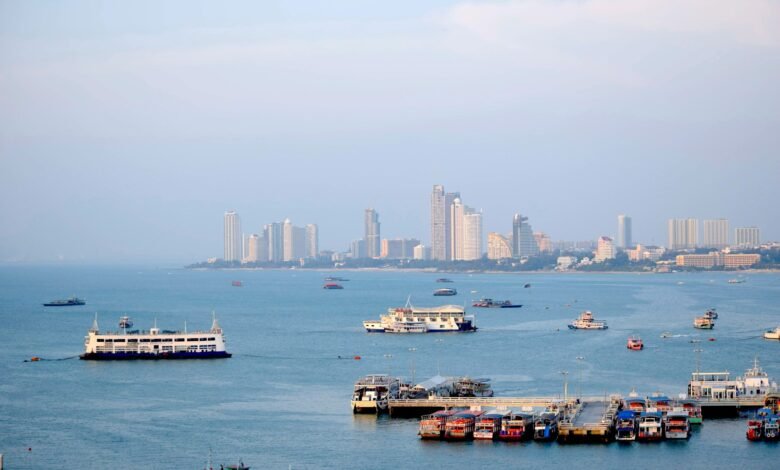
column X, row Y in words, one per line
column 127, row 129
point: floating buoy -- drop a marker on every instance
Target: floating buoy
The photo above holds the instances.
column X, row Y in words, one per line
column 712, row 339
column 357, row 358
column 35, row 359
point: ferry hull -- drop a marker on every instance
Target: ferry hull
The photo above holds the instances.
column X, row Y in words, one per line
column 125, row 356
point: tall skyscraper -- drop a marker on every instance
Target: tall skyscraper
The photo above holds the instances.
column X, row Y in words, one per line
column 275, row 242
column 252, row 248
column 624, row 232
column 716, row 233
column 288, row 245
column 683, row 234
column 523, row 241
column 312, row 241
column 441, row 225
column 747, row 237
column 233, row 237
column 472, row 235
column 372, row 234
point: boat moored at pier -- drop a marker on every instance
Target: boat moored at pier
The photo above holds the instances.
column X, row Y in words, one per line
column 409, row 319
column 516, row 427
column 546, row 427
column 677, row 426
column 586, row 322
column 460, row 426
column 154, row 344
column 432, row 426
column 692, row 408
column 488, row 425
column 650, row 426
column 626, row 427
column 372, row 392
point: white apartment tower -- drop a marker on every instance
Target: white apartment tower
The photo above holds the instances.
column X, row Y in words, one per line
column 683, row 234
column 372, row 234
column 624, row 232
column 716, row 233
column 441, row 223
column 233, row 237
column 288, row 245
column 472, row 235
column 747, row 237
column 253, row 245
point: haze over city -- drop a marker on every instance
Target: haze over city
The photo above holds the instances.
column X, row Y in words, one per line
column 127, row 131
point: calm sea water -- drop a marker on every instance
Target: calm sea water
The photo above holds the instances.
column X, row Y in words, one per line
column 282, row 401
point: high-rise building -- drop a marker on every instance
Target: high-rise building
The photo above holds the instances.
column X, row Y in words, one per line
column 233, row 237
column 605, row 249
column 472, row 235
column 399, row 248
column 422, row 252
column 358, row 249
column 747, row 237
column 441, row 225
column 624, row 232
column 288, row 244
column 372, row 234
column 543, row 242
column 299, row 243
column 275, row 239
column 716, row 233
column 252, row 248
column 683, row 234
column 499, row 246
column 312, row 241
column 523, row 241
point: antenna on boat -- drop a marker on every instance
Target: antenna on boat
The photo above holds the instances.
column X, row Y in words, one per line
column 408, row 301
column 185, row 326
column 214, row 324
column 94, row 328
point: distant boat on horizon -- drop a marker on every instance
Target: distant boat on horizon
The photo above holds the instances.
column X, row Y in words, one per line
column 66, row 302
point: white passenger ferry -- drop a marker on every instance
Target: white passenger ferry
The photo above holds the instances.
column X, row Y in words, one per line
column 411, row 319
column 154, row 344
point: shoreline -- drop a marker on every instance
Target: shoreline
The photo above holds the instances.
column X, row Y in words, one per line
column 438, row 271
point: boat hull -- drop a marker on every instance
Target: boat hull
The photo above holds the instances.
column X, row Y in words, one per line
column 126, row 356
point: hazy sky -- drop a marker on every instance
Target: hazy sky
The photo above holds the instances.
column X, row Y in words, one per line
column 128, row 128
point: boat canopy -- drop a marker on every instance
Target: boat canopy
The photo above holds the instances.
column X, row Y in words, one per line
column 626, row 414
column 433, row 382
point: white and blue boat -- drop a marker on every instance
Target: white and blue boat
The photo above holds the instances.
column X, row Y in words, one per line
column 154, row 344
column 409, row 319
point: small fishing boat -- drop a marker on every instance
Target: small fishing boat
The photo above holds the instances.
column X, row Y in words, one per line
column 526, row 286
column 125, row 322
column 711, row 314
column 335, row 279
column 692, row 408
column 736, row 281
column 755, row 430
column 635, row 343
column 703, row 323
column 586, row 322
column 332, row 285
column 239, row 466
column 635, row 404
column 443, row 279
column 659, row 403
column 445, row 292
column 237, row 284
column 772, row 334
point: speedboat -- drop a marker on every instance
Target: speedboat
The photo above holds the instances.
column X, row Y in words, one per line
column 772, row 334
column 635, row 343
column 445, row 292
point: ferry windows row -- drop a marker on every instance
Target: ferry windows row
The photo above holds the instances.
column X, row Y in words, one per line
column 147, row 340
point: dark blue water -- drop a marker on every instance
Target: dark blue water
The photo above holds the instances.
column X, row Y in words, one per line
column 282, row 401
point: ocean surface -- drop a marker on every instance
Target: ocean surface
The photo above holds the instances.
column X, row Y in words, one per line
column 282, row 400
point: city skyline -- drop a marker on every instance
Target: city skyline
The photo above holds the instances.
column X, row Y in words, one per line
column 566, row 112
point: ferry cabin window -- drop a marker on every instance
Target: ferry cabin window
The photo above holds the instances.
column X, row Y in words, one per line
column 204, row 339
column 145, row 340
column 192, row 339
column 132, row 340
column 117, row 340
column 100, row 340
column 179, row 340
column 167, row 340
column 212, row 339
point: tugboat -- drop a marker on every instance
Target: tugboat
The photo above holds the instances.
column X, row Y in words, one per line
column 445, row 292
column 635, row 343
column 586, row 322
column 65, row 303
column 490, row 303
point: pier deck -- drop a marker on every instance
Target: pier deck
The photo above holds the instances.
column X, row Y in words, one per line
column 591, row 420
column 421, row 406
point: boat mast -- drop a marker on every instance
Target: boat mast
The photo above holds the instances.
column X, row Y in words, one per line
column 94, row 328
